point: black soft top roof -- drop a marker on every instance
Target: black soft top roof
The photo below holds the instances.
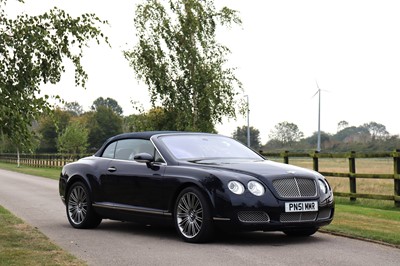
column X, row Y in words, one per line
column 136, row 135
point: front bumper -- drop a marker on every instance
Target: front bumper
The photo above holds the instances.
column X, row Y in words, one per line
column 268, row 214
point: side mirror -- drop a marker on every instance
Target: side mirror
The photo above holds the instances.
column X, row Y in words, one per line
column 143, row 158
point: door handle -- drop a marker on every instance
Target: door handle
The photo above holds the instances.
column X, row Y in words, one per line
column 112, row 169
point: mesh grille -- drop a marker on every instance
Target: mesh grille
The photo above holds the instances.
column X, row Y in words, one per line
column 298, row 217
column 295, row 187
column 253, row 217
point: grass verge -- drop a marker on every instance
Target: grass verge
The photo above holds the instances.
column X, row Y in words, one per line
column 52, row 173
column 20, row 244
column 366, row 222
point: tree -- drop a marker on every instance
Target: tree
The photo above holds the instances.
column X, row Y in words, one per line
column 286, row 132
column 74, row 139
column 342, row 125
column 179, row 59
column 377, row 131
column 152, row 120
column 33, row 50
column 102, row 124
column 49, row 128
column 74, row 108
column 109, row 103
column 240, row 134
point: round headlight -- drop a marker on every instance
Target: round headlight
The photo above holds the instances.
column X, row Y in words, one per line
column 236, row 187
column 256, row 188
column 323, row 186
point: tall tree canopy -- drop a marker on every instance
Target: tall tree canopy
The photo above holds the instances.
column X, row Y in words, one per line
column 32, row 52
column 240, row 134
column 286, row 133
column 109, row 103
column 181, row 62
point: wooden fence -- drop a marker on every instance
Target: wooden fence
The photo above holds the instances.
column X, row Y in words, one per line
column 40, row 160
column 57, row 161
column 352, row 175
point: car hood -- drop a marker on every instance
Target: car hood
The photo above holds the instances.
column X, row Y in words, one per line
column 261, row 169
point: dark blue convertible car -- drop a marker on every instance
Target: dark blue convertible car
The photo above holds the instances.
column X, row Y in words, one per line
column 197, row 182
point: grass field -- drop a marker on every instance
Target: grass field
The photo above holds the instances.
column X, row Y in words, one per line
column 20, row 244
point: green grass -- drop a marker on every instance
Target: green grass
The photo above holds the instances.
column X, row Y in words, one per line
column 20, row 244
column 355, row 220
column 53, row 173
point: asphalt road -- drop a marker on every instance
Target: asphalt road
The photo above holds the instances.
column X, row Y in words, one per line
column 36, row 200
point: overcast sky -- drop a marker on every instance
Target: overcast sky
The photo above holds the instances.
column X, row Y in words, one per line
column 351, row 48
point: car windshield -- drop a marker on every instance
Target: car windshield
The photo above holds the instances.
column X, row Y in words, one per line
column 205, row 147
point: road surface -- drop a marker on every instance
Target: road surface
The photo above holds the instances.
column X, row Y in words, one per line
column 36, row 200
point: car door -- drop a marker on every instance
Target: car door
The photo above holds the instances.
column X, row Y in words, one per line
column 128, row 183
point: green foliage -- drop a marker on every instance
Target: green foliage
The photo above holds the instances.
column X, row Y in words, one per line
column 50, row 127
column 153, row 120
column 74, row 139
column 181, row 62
column 33, row 50
column 240, row 134
column 74, row 108
column 368, row 137
column 102, row 124
column 109, row 103
column 286, row 133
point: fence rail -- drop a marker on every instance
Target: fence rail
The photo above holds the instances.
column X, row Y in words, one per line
column 352, row 175
column 40, row 160
column 58, row 160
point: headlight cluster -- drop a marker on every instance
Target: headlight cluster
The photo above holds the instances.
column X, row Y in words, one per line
column 323, row 186
column 256, row 188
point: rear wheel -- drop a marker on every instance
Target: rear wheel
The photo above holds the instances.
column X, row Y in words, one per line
column 301, row 232
column 80, row 212
column 192, row 216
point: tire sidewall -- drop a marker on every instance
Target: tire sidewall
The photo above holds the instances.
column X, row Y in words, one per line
column 91, row 219
column 207, row 228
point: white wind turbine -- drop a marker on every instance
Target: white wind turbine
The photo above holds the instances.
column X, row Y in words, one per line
column 319, row 117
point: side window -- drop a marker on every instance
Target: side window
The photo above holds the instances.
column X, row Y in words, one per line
column 126, row 149
column 109, row 151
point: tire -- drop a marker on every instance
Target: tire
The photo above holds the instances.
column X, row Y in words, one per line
column 304, row 232
column 192, row 216
column 79, row 208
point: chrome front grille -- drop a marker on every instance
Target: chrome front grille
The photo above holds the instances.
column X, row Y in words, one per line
column 253, row 217
column 295, row 187
column 290, row 217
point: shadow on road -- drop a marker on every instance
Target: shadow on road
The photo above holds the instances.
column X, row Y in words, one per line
column 226, row 238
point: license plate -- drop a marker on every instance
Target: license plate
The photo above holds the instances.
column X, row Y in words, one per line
column 306, row 206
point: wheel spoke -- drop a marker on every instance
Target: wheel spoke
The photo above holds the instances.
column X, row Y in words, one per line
column 77, row 205
column 189, row 215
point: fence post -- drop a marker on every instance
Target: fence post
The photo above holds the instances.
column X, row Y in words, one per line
column 396, row 164
column 352, row 173
column 286, row 157
column 315, row 161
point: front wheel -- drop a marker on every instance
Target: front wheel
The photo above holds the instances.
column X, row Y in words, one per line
column 192, row 216
column 301, row 232
column 80, row 212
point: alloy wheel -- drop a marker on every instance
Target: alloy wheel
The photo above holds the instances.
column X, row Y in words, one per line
column 189, row 215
